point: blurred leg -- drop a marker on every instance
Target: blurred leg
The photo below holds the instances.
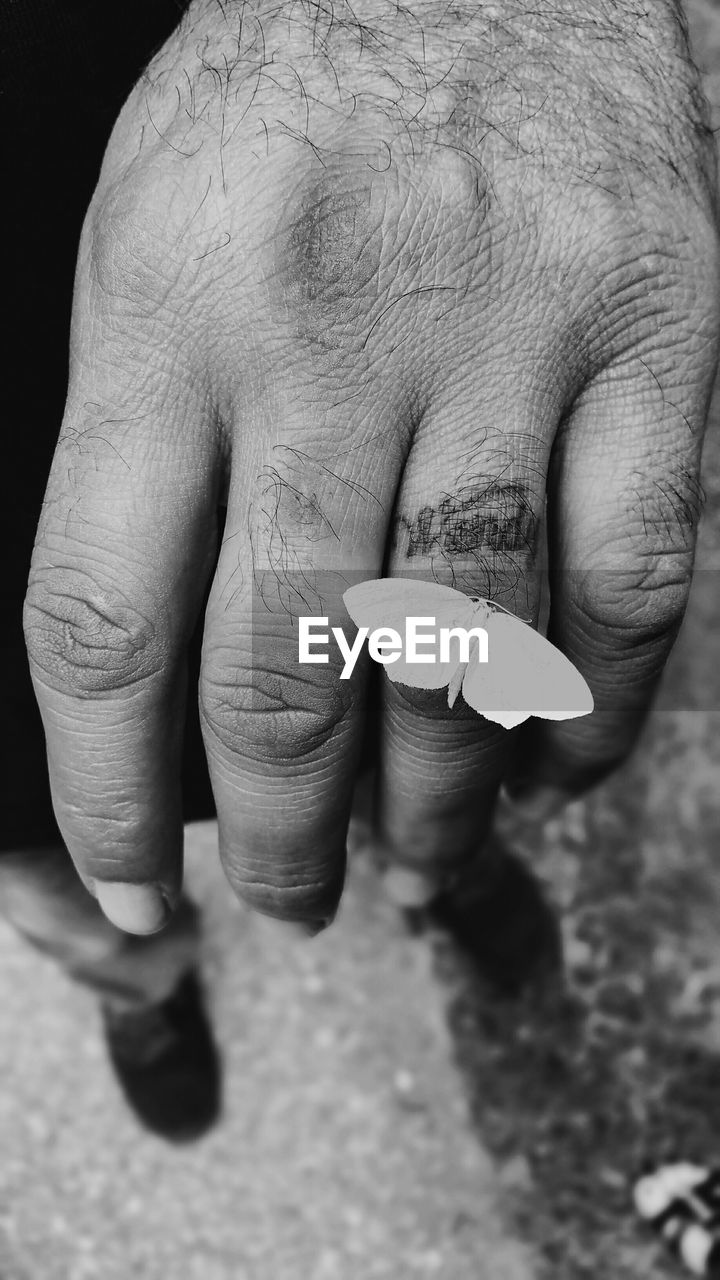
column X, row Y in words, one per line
column 42, row 897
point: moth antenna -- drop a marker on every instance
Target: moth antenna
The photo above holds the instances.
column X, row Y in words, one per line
column 494, row 605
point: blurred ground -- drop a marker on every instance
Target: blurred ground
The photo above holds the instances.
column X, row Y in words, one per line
column 618, row 1064
column 344, row 1152
column 351, row 1148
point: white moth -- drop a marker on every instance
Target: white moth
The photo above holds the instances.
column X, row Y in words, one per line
column 525, row 674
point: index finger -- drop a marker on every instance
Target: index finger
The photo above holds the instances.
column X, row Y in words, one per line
column 124, row 547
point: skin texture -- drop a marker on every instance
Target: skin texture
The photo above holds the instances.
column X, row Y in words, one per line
column 392, row 285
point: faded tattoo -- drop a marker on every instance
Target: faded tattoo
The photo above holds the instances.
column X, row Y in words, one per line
column 492, row 518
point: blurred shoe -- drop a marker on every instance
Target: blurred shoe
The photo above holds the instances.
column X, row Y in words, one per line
column 166, row 1061
column 499, row 918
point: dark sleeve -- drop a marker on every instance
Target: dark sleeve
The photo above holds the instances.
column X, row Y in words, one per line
column 66, row 67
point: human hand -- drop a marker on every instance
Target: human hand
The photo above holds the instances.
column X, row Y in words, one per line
column 382, row 280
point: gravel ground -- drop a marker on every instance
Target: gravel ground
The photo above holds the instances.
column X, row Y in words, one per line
column 344, row 1152
column 615, row 1062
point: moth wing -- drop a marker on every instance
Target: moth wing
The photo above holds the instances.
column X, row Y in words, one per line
column 525, row 676
column 433, row 675
column 389, row 602
column 483, row 693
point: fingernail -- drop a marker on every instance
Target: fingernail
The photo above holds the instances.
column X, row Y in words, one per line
column 539, row 804
column 136, row 908
column 408, row 888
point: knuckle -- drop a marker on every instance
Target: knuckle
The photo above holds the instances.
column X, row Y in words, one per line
column 270, row 716
column 637, row 606
column 361, row 260
column 86, row 640
column 643, row 278
column 129, row 237
column 330, row 249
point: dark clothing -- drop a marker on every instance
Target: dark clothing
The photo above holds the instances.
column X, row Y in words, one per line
column 65, row 71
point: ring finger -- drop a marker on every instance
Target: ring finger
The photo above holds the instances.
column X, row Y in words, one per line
column 468, row 515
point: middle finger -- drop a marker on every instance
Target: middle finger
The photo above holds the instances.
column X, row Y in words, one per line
column 282, row 738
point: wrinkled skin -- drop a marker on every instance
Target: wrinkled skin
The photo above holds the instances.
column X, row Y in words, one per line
column 384, row 281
